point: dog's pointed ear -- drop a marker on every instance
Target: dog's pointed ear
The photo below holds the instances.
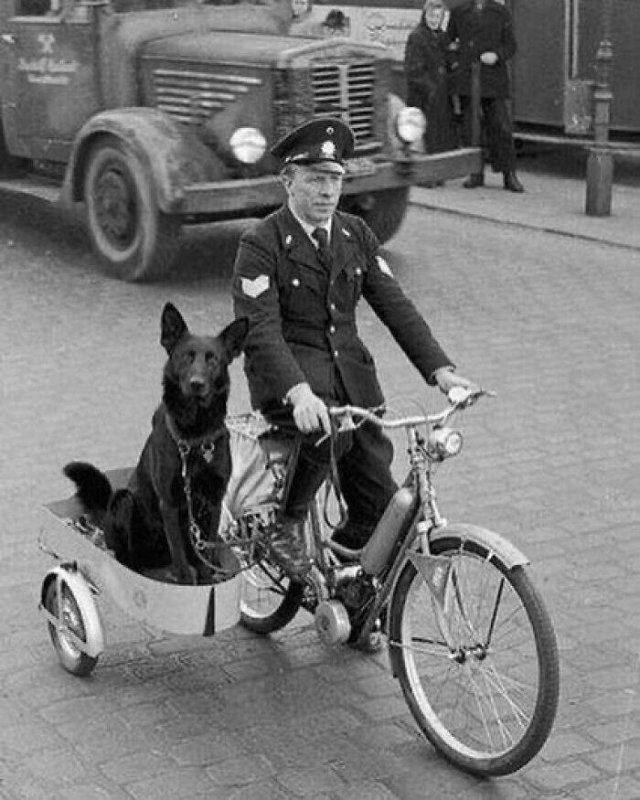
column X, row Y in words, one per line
column 233, row 337
column 172, row 327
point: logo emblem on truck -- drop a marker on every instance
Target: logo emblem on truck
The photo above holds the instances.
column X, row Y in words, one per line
column 47, row 40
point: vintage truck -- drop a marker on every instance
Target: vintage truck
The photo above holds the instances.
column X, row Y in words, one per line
column 154, row 114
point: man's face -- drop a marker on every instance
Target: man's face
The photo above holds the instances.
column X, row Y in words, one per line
column 314, row 190
column 433, row 15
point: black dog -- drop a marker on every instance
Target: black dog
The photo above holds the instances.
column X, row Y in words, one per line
column 185, row 465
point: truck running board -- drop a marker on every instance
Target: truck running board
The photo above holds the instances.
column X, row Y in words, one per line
column 43, row 189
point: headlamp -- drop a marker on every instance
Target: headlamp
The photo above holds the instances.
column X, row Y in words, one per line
column 248, row 145
column 410, row 124
column 444, row 442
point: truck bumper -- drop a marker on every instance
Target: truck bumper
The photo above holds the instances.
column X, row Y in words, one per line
column 240, row 197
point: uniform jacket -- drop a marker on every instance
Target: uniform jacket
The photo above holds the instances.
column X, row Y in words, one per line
column 478, row 32
column 302, row 321
column 426, row 68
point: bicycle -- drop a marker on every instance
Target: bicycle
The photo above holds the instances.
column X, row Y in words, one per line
column 469, row 638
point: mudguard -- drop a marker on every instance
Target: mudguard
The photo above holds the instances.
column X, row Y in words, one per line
column 173, row 156
column 509, row 554
column 94, row 644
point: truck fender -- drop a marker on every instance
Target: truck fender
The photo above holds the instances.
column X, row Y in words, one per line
column 509, row 554
column 173, row 156
column 94, row 644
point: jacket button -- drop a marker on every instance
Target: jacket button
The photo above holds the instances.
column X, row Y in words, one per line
column 295, row 282
column 335, row 353
column 332, row 306
column 332, row 329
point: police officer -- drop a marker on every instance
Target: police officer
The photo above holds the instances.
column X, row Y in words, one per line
column 482, row 31
column 298, row 277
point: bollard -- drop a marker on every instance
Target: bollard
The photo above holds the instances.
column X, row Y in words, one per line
column 599, row 180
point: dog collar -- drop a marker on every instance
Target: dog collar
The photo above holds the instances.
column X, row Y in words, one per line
column 206, row 444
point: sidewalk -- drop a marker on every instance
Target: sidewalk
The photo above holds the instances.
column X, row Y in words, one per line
column 550, row 203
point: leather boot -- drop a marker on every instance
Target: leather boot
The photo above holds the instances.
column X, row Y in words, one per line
column 474, row 180
column 511, row 183
column 286, row 549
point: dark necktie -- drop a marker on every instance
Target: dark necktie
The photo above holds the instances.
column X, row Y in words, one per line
column 324, row 253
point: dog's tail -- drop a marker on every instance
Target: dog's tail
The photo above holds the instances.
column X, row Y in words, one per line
column 93, row 487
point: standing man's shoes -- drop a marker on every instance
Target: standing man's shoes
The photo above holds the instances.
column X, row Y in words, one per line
column 474, row 180
column 511, row 183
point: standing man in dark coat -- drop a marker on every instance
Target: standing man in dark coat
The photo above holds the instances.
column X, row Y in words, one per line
column 298, row 277
column 425, row 64
column 482, row 30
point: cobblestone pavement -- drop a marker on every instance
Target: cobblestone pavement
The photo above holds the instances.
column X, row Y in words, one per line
column 550, row 322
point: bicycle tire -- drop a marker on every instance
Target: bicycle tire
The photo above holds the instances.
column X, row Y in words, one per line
column 285, row 609
column 498, row 678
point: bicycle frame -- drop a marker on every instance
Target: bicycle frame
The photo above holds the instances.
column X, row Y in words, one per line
column 414, row 540
column 469, row 638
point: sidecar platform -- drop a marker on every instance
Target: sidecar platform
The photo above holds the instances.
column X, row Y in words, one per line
column 175, row 608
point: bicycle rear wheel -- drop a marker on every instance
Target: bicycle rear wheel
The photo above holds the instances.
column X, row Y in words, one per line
column 269, row 600
column 486, row 700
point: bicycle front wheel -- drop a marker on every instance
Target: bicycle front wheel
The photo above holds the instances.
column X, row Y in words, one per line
column 486, row 693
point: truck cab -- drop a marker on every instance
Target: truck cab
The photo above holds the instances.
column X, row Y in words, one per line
column 159, row 113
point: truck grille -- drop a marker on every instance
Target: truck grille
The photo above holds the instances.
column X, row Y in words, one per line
column 193, row 97
column 346, row 90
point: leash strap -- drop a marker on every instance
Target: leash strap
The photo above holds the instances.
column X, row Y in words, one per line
column 333, row 480
column 207, row 448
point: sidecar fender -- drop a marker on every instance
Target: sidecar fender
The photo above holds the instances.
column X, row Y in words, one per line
column 509, row 554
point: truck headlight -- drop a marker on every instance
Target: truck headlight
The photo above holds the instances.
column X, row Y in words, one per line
column 410, row 124
column 248, row 145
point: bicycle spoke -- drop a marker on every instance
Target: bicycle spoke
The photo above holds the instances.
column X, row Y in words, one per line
column 503, row 730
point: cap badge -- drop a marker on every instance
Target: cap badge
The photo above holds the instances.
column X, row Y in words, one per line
column 328, row 149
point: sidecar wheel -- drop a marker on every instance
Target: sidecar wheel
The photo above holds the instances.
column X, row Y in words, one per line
column 67, row 610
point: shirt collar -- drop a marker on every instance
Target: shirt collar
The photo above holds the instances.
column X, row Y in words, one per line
column 309, row 228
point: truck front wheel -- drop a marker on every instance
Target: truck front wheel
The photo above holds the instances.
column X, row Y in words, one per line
column 383, row 210
column 130, row 234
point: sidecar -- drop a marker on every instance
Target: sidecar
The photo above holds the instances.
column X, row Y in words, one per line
column 86, row 569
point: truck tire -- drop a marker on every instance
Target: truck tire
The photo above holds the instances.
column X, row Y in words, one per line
column 383, row 211
column 132, row 237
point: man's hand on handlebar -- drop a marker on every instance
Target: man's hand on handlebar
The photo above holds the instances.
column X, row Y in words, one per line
column 309, row 411
column 447, row 379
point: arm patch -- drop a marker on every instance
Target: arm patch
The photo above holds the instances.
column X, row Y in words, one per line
column 256, row 286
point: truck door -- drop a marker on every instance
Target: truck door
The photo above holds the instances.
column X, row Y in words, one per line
column 50, row 84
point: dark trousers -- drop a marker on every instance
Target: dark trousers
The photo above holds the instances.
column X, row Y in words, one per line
column 496, row 130
column 363, row 459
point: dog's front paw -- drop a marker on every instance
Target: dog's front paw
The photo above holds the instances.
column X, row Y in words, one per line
column 186, row 574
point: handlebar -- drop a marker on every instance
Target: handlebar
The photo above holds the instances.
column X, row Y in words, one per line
column 459, row 398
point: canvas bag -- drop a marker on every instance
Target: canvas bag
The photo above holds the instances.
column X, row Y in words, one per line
column 259, row 460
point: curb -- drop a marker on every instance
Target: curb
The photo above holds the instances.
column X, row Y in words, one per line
column 523, row 225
